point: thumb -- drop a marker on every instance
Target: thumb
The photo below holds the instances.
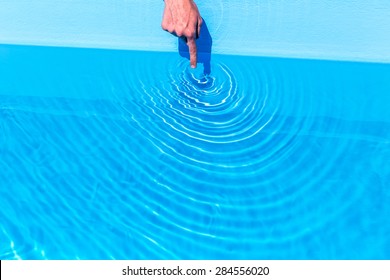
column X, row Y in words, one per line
column 193, row 51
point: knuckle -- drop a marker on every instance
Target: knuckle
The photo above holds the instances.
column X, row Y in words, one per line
column 180, row 31
column 164, row 26
column 189, row 33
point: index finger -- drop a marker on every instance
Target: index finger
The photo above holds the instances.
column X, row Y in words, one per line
column 193, row 51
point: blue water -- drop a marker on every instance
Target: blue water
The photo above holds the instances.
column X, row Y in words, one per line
column 134, row 155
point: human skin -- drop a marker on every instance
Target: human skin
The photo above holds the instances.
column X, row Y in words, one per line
column 182, row 18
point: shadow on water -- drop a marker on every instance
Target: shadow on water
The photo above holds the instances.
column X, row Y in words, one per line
column 204, row 44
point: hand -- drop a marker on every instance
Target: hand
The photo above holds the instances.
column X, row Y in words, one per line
column 182, row 18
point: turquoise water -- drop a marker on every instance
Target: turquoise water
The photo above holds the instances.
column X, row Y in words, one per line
column 133, row 155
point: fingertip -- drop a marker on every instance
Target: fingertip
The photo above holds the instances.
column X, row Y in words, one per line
column 193, row 61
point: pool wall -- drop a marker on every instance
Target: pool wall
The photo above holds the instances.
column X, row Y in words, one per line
column 341, row 30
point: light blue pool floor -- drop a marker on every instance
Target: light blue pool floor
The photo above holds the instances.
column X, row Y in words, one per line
column 133, row 155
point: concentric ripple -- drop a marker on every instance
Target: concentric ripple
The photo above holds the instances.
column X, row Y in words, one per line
column 222, row 133
column 261, row 158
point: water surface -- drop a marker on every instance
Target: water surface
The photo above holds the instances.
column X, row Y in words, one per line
column 134, row 155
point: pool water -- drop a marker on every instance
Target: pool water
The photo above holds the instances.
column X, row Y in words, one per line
column 108, row 154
